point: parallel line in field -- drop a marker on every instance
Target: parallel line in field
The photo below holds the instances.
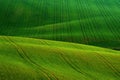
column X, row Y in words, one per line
column 89, row 23
column 68, row 19
column 112, row 67
column 105, row 14
column 28, row 59
column 75, row 67
column 20, row 52
column 71, row 64
column 78, row 3
column 64, row 58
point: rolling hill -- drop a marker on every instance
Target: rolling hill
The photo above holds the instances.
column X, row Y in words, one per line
column 59, row 40
column 37, row 59
column 92, row 22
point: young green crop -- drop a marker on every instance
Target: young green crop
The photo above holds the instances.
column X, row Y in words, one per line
column 28, row 58
column 92, row 22
column 49, row 36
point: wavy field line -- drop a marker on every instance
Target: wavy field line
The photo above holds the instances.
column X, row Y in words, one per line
column 106, row 62
column 24, row 55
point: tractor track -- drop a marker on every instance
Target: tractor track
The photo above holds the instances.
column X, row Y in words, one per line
column 109, row 65
column 24, row 56
column 67, row 60
column 70, row 63
column 76, row 68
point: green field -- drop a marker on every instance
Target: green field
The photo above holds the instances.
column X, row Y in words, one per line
column 33, row 59
column 59, row 40
column 93, row 22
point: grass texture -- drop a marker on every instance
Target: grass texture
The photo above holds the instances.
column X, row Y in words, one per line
column 37, row 59
column 92, row 22
column 59, row 40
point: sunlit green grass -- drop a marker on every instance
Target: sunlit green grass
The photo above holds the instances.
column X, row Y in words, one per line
column 59, row 39
column 34, row 59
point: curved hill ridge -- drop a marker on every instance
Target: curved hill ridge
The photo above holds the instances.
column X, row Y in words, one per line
column 92, row 22
column 84, row 31
column 27, row 58
column 59, row 40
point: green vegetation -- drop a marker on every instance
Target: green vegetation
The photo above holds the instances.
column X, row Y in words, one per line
column 32, row 59
column 59, row 39
column 94, row 22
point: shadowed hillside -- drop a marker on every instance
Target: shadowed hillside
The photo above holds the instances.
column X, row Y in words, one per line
column 59, row 40
column 94, row 22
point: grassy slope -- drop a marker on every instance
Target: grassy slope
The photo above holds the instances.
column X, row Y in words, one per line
column 93, row 22
column 33, row 59
column 70, row 31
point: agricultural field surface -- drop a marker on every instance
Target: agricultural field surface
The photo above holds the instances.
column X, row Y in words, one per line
column 59, row 39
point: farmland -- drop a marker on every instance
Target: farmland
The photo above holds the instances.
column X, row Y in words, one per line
column 43, row 59
column 94, row 22
column 59, row 40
